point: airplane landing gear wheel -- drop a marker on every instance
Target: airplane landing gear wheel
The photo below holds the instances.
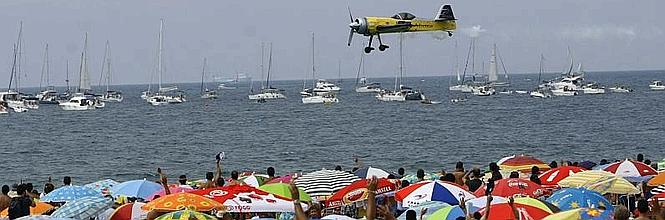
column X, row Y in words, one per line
column 368, row 49
column 383, row 47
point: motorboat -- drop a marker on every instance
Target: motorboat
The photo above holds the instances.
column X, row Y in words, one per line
column 323, row 85
column 485, row 90
column 209, row 94
column 390, row 96
column 48, row 96
column 319, row 98
column 593, row 88
column 156, row 100
column 369, row 88
column 428, row 101
column 268, row 94
column 112, row 96
column 79, row 102
column 521, row 92
column 620, row 89
column 540, row 93
column 506, row 92
column 462, row 88
column 656, row 85
column 564, row 91
column 13, row 101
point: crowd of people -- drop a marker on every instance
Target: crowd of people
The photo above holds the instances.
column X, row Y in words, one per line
column 19, row 198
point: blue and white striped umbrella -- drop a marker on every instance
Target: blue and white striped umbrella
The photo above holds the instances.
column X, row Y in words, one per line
column 83, row 208
column 42, row 217
column 137, row 189
column 69, row 193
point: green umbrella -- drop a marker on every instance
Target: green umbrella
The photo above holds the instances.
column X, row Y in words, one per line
column 282, row 189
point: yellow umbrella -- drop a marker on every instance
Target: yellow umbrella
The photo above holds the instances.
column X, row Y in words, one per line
column 40, row 208
column 185, row 215
column 600, row 181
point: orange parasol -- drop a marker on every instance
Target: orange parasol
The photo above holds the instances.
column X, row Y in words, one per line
column 40, row 208
column 183, row 201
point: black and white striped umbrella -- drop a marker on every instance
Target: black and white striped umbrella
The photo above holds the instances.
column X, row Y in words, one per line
column 658, row 190
column 325, row 182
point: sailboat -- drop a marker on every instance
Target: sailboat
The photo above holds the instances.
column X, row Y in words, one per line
column 401, row 93
column 362, row 86
column 83, row 99
column 12, row 97
column 267, row 92
column 164, row 95
column 322, row 92
column 105, row 78
column 463, row 85
column 541, row 91
column 48, row 95
column 205, row 92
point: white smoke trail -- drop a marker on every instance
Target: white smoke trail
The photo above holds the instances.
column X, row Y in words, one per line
column 474, row 31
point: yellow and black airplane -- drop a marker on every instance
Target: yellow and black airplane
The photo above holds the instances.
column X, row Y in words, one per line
column 401, row 22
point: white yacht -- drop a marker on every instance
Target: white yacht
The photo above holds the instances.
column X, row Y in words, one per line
column 323, row 85
column 79, row 102
column 462, row 88
column 13, row 101
column 391, row 96
column 620, row 89
column 540, row 93
column 205, row 92
column 319, row 98
column 485, row 90
column 656, row 85
column 267, row 92
column 362, row 85
column 13, row 96
column 109, row 95
column 157, row 100
column 168, row 94
column 49, row 95
column 369, row 88
column 112, row 96
column 401, row 93
column 593, row 89
column 323, row 92
column 564, row 91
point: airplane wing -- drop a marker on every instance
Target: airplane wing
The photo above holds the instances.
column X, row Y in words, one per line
column 394, row 28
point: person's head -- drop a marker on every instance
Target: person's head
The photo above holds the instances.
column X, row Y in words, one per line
column 5, row 189
column 420, row 174
column 271, row 172
column 647, row 162
column 391, row 176
column 209, row 176
column 405, row 183
column 315, row 211
column 603, row 162
column 642, row 206
column 475, row 173
column 234, row 175
column 494, row 167
column 514, row 174
column 459, row 166
column 449, row 177
column 535, row 170
column 553, row 164
column 182, row 180
column 411, row 215
column 20, row 190
column 621, row 213
column 67, row 181
column 48, row 187
column 400, row 171
column 338, row 168
column 220, row 182
column 640, row 157
column 576, row 164
column 29, row 187
column 477, row 215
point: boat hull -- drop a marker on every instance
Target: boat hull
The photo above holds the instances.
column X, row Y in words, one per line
column 266, row 96
column 319, row 100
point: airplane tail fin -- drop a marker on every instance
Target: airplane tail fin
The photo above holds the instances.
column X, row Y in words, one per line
column 445, row 14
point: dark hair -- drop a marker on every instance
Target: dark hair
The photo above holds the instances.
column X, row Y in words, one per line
column 411, row 215
column 338, row 168
column 640, row 157
column 271, row 171
column 67, row 180
column 476, row 172
column 647, row 162
column 400, row 171
column 48, row 187
column 182, row 179
column 391, row 176
column 5, row 189
column 514, row 174
column 459, row 166
column 20, row 190
column 220, row 182
column 405, row 183
column 535, row 170
column 603, row 162
column 234, row 175
column 553, row 164
column 642, row 206
column 477, row 215
column 621, row 213
column 494, row 167
column 449, row 177
column 29, row 187
column 576, row 164
column 420, row 174
column 209, row 176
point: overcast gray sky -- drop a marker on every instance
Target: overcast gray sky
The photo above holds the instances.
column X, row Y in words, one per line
column 604, row 34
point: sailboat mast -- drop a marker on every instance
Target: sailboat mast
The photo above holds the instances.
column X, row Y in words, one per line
column 313, row 64
column 401, row 60
column 540, row 69
column 11, row 76
column 67, row 75
column 108, row 66
column 269, row 66
column 19, row 51
column 161, row 48
column 44, row 68
column 261, row 66
column 339, row 71
column 203, row 72
column 456, row 68
column 360, row 66
column 102, row 77
column 84, row 79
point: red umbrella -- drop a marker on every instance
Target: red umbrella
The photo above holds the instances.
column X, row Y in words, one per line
column 244, row 198
column 503, row 211
column 553, row 176
column 281, row 179
column 631, row 168
column 357, row 191
column 513, row 186
column 521, row 163
column 129, row 211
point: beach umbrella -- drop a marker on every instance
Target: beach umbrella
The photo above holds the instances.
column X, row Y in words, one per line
column 182, row 201
column 599, row 181
column 657, row 180
column 412, row 178
column 631, row 170
column 553, row 176
column 136, row 188
column 369, row 172
column 282, row 179
column 186, row 215
column 42, row 217
column 129, row 211
column 431, row 206
column 582, row 214
column 254, row 180
column 528, row 208
column 513, row 186
column 473, row 205
column 69, row 193
column 83, row 208
column 40, row 208
column 357, row 191
column 573, row 198
column 661, row 165
column 325, row 182
column 587, row 164
column 244, row 198
column 173, row 189
column 102, row 186
column 522, row 163
column 432, row 191
column 282, row 189
column 658, row 190
column 447, row 213
column 337, row 217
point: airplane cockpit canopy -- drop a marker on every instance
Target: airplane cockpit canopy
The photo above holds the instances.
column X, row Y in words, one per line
column 404, row 16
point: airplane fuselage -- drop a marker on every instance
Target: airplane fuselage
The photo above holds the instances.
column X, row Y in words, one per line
column 381, row 25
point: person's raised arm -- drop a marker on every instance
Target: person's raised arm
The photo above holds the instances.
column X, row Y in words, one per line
column 511, row 202
column 487, row 208
column 164, row 181
column 300, row 213
column 218, row 172
column 385, row 212
column 371, row 198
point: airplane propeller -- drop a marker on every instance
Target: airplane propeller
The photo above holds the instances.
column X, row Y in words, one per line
column 353, row 25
